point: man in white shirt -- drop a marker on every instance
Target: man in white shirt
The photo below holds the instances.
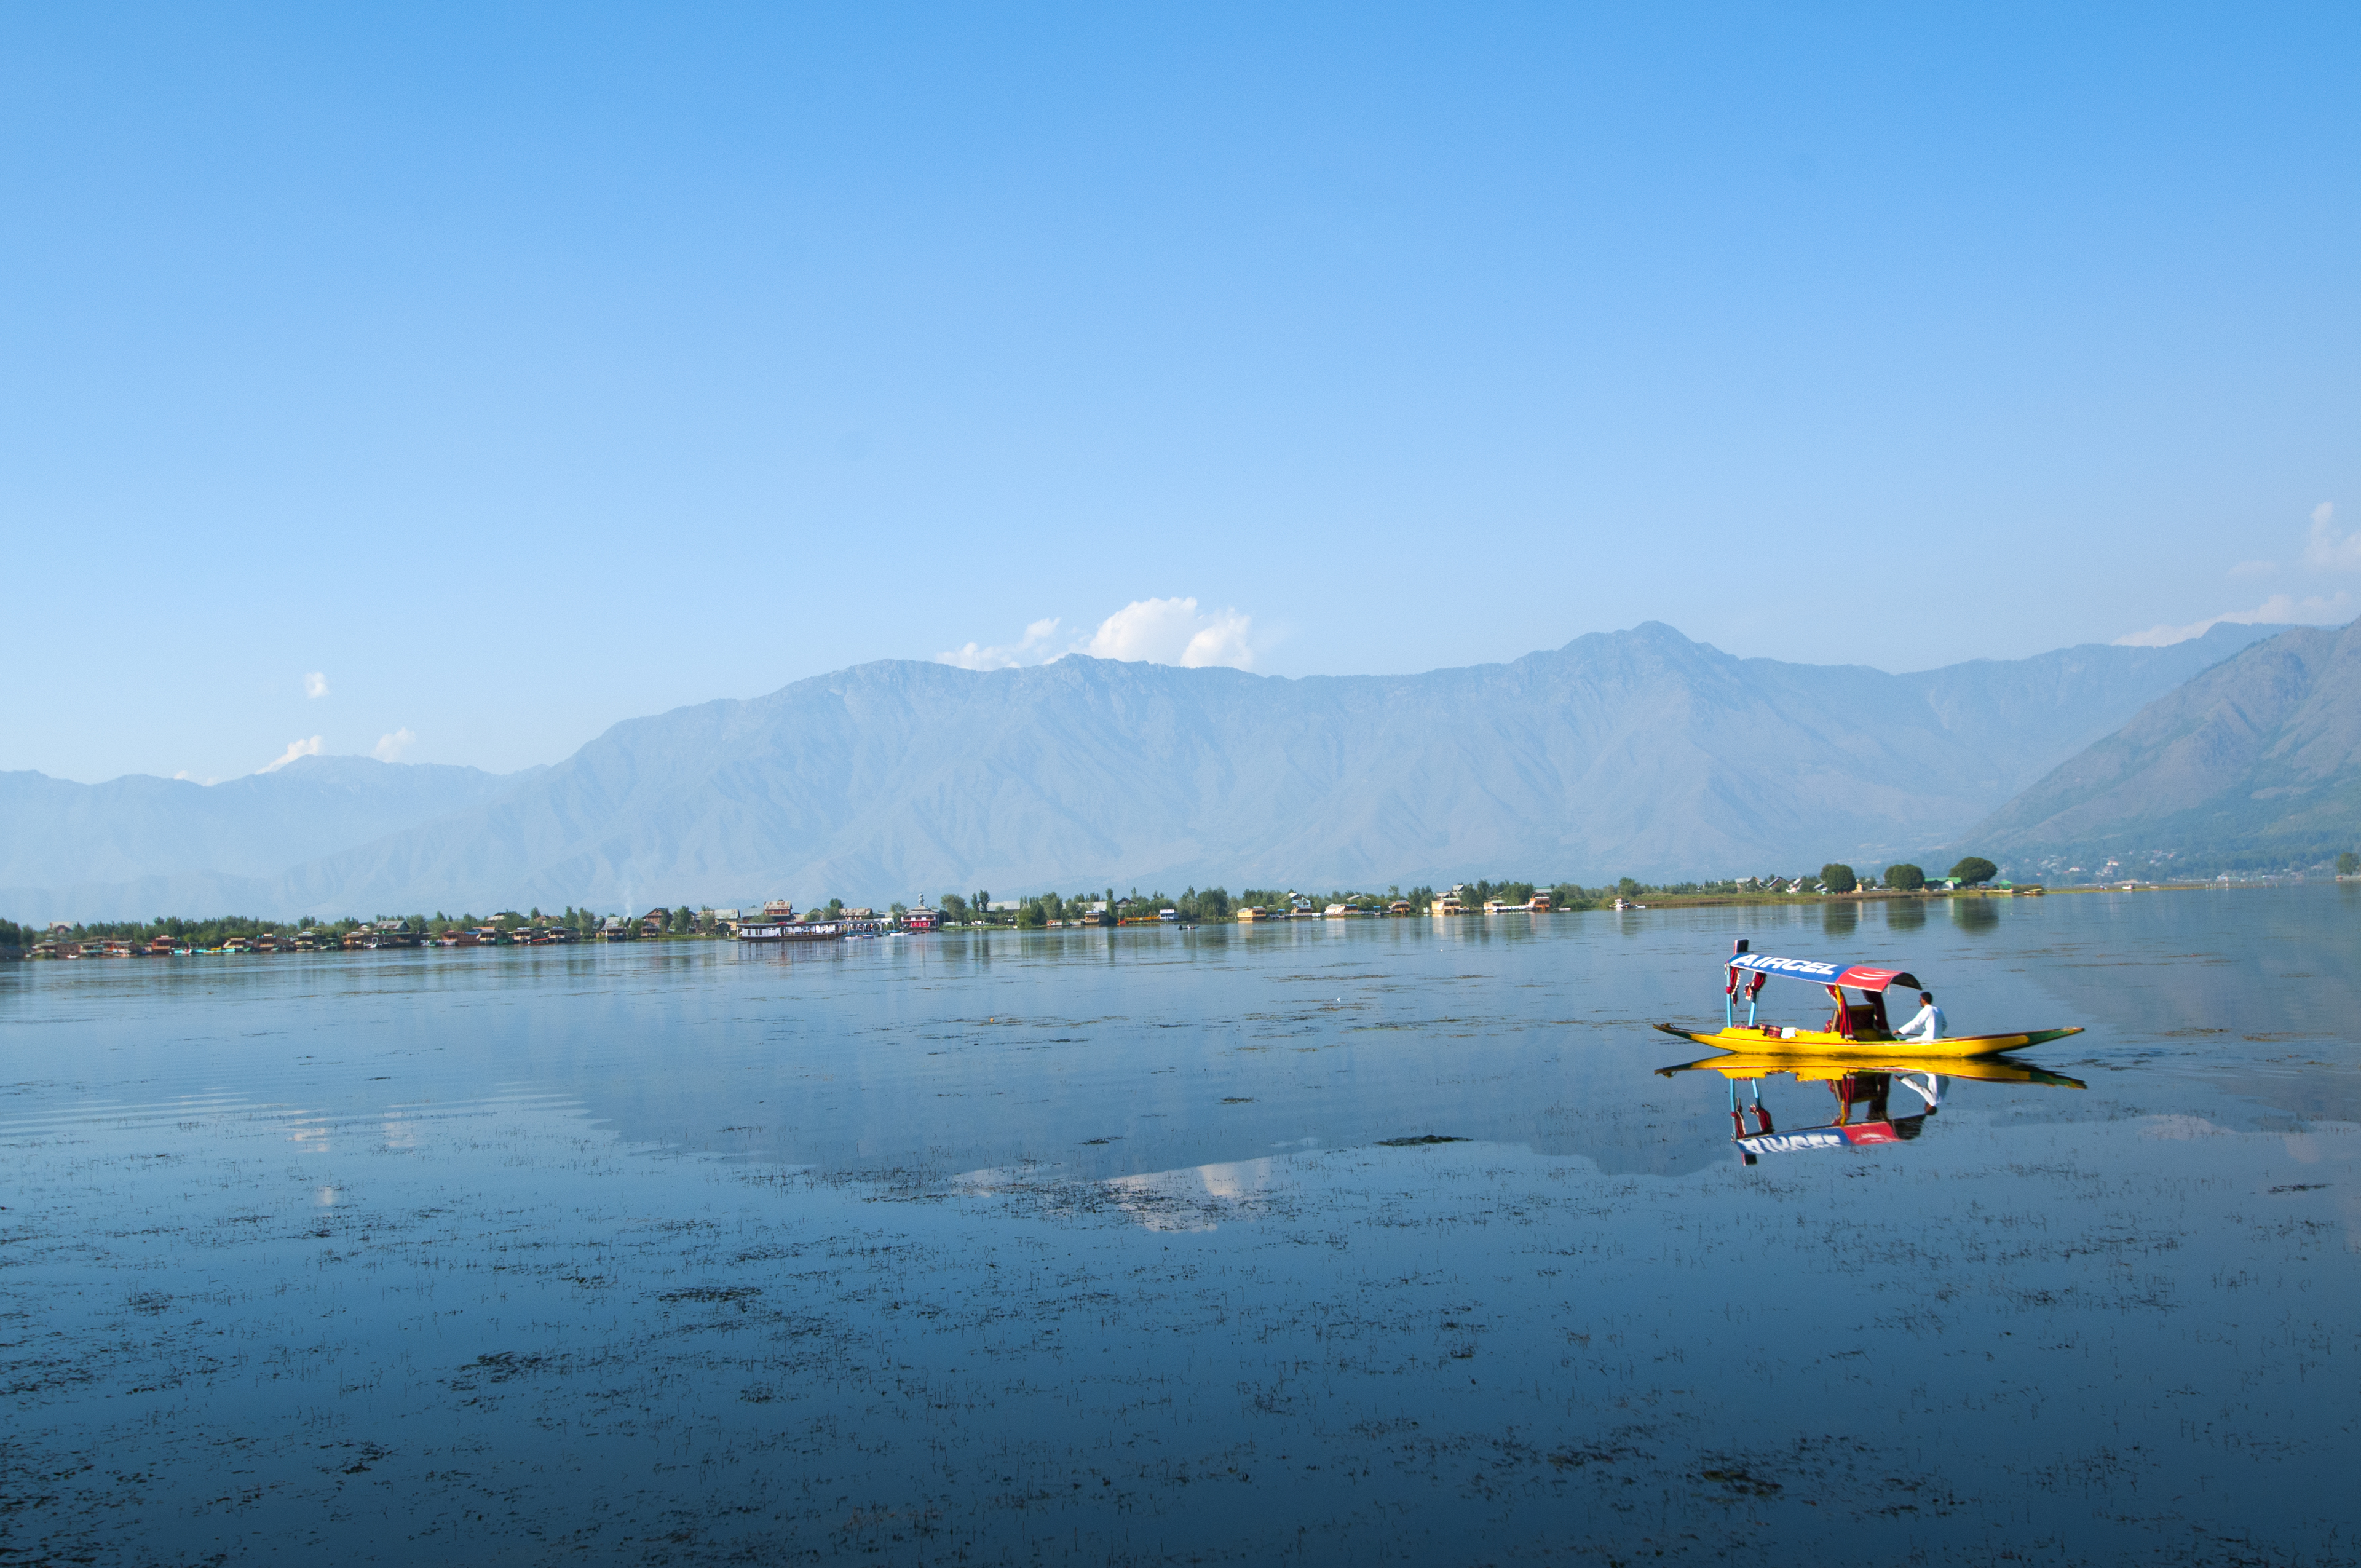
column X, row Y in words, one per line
column 1927, row 1024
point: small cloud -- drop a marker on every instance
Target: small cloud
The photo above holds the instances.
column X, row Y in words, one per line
column 192, row 778
column 2254, row 568
column 1025, row 650
column 2330, row 548
column 294, row 749
column 390, row 747
column 2280, row 609
column 1173, row 632
column 1157, row 631
column 315, row 685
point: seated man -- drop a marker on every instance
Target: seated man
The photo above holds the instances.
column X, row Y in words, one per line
column 1927, row 1024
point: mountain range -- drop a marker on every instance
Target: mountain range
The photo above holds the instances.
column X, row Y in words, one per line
column 1636, row 752
column 2255, row 763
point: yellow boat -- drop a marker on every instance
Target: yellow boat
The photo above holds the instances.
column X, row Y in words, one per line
column 1858, row 1030
column 1895, row 1055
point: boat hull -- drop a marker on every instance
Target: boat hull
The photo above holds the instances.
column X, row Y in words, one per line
column 1830, row 1067
column 1762, row 1040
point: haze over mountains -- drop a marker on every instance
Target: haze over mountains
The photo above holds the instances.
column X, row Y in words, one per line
column 2254, row 762
column 162, row 843
column 1638, row 753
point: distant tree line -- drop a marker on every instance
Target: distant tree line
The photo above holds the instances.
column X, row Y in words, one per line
column 1193, row 904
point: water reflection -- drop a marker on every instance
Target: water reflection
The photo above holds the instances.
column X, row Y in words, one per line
column 1894, row 1097
column 1266, row 1235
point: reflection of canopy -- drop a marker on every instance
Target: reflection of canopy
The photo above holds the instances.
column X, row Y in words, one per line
column 1860, row 977
column 1859, row 1135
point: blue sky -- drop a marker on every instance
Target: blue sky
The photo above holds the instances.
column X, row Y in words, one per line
column 500, row 372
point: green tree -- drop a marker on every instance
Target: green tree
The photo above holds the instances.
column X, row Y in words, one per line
column 1838, row 877
column 1905, row 877
column 2347, row 863
column 1627, row 887
column 1975, row 869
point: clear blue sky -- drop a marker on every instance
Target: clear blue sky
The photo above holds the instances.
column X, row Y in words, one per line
column 521, row 370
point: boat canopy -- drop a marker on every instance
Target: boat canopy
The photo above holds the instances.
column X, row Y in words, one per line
column 1822, row 972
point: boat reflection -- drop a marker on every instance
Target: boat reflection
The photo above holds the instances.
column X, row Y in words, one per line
column 1873, row 1086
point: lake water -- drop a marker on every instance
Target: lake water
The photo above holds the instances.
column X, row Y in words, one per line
column 1091, row 1246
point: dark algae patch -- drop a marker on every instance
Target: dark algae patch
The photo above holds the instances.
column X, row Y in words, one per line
column 672, row 1256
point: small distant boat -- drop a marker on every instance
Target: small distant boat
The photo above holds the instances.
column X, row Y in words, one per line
column 1855, row 1029
column 794, row 931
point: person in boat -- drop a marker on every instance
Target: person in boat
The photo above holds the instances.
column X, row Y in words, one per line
column 1928, row 1023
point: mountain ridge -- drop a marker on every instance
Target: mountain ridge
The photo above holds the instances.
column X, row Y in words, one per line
column 1637, row 751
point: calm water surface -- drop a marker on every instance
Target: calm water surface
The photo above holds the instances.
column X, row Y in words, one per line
column 1091, row 1245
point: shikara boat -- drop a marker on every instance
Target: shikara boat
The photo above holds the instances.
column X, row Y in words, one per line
column 1855, row 1028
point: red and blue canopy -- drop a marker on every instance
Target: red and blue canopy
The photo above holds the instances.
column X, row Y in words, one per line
column 1826, row 971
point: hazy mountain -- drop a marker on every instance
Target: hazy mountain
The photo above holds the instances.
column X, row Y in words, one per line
column 80, row 841
column 1637, row 752
column 2255, row 763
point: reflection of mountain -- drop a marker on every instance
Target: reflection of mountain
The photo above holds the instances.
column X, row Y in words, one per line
column 2255, row 763
column 2251, row 992
column 1127, row 1057
column 1116, row 1057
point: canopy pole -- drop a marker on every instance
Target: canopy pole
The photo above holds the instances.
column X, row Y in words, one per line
column 1729, row 1001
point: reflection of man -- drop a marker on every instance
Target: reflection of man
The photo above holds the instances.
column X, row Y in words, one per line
column 1927, row 1024
column 1929, row 1085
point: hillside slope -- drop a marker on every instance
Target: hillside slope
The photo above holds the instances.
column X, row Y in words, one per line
column 2255, row 763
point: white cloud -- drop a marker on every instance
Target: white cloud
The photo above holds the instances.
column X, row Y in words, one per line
column 390, row 747
column 1173, row 632
column 315, row 685
column 2330, row 548
column 2277, row 610
column 2326, row 548
column 1157, row 632
column 1025, row 650
column 294, row 749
